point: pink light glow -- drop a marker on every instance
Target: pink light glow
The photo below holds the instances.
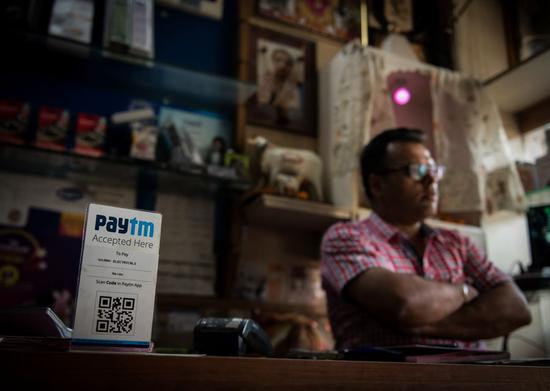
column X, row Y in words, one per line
column 401, row 96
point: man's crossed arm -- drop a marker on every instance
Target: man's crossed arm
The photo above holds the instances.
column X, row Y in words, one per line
column 436, row 309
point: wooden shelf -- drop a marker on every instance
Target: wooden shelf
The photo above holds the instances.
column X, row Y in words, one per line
column 172, row 302
column 522, row 86
column 105, row 169
column 290, row 213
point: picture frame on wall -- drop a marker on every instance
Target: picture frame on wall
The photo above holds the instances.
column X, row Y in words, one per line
column 338, row 19
column 283, row 67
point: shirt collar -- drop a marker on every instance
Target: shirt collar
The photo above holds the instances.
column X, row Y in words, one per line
column 386, row 231
column 382, row 229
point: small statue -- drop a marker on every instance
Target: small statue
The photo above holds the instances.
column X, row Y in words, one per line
column 287, row 171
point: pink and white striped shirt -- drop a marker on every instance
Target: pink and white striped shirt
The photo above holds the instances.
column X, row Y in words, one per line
column 349, row 249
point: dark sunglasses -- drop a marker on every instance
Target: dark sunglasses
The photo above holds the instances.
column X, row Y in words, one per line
column 419, row 171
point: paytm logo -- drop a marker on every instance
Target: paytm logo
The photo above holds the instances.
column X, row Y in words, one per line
column 122, row 225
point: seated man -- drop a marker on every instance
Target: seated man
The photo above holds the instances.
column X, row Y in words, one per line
column 392, row 280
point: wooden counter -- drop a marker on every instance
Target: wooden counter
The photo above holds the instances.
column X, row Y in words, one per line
column 142, row 371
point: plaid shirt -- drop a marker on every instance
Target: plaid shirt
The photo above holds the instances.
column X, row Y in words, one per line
column 348, row 249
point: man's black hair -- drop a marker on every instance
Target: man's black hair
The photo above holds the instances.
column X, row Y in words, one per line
column 373, row 156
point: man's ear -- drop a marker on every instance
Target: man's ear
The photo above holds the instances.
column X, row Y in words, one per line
column 375, row 184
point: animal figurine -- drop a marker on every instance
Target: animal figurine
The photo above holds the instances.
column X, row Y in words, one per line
column 289, row 171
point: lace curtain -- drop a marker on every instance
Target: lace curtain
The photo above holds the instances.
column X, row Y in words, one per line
column 467, row 130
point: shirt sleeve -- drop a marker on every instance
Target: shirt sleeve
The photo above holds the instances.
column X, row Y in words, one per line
column 482, row 273
column 346, row 253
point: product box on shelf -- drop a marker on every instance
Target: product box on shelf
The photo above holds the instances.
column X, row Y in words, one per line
column 14, row 120
column 140, row 120
column 238, row 162
column 72, row 19
column 129, row 27
column 144, row 140
column 194, row 138
column 53, row 124
column 90, row 134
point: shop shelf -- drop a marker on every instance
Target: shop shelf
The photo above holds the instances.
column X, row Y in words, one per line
column 100, row 68
column 26, row 159
column 522, row 86
column 284, row 212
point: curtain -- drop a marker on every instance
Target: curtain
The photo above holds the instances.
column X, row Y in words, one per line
column 355, row 105
column 467, row 130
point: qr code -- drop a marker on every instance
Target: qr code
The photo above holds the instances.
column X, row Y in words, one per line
column 115, row 314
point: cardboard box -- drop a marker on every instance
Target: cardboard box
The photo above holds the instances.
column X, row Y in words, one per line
column 14, row 121
column 90, row 134
column 53, row 124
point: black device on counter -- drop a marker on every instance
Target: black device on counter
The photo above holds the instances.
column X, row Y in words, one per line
column 230, row 337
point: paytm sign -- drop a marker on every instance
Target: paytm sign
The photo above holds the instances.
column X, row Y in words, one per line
column 123, row 225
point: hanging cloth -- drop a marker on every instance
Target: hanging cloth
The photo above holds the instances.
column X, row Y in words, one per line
column 467, row 130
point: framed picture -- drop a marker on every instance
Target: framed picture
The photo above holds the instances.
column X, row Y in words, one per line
column 284, row 70
column 338, row 19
